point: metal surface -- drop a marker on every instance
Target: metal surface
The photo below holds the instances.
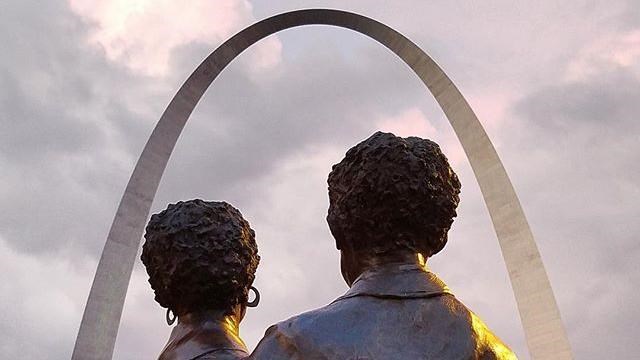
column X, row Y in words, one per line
column 205, row 335
column 256, row 300
column 394, row 311
column 201, row 258
column 544, row 331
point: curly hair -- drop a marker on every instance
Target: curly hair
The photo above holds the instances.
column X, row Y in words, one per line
column 392, row 193
column 200, row 255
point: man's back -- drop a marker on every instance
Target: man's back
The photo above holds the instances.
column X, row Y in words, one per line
column 393, row 312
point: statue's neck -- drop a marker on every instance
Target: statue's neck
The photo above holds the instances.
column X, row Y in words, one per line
column 211, row 320
column 200, row 332
column 368, row 261
column 356, row 263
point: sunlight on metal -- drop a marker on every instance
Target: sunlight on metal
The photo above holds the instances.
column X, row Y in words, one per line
column 485, row 336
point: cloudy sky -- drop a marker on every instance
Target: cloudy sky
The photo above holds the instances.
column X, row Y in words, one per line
column 82, row 83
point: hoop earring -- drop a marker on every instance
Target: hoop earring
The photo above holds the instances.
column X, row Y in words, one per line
column 255, row 301
column 170, row 320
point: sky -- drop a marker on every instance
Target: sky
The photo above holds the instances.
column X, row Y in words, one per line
column 82, row 83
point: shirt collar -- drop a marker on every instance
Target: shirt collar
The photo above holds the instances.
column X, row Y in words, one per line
column 397, row 281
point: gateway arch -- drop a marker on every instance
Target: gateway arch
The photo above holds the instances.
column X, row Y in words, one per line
column 544, row 332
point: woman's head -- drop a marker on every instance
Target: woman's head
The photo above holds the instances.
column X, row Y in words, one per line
column 200, row 255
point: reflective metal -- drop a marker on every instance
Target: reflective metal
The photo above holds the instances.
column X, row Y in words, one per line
column 372, row 321
column 206, row 335
column 540, row 317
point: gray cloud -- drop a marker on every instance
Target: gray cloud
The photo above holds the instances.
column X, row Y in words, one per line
column 60, row 145
column 578, row 148
column 323, row 100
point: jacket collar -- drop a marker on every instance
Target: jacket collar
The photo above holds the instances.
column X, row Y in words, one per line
column 397, row 281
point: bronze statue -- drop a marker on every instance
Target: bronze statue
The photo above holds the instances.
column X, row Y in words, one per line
column 392, row 202
column 201, row 258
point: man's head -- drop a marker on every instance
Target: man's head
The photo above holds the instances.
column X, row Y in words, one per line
column 391, row 194
column 200, row 256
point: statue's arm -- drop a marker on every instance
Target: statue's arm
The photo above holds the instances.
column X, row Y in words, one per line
column 490, row 345
column 275, row 345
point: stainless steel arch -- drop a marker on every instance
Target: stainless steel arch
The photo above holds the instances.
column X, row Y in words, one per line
column 544, row 331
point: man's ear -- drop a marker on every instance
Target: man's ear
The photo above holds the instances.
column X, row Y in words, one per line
column 348, row 265
column 337, row 234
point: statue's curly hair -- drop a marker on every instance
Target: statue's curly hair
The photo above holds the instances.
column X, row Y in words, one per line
column 200, row 255
column 391, row 193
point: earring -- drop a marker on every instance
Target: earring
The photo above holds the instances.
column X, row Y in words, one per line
column 255, row 301
column 170, row 320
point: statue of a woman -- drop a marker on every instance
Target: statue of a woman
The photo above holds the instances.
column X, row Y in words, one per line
column 201, row 258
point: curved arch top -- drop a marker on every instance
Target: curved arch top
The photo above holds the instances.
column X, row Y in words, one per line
column 544, row 331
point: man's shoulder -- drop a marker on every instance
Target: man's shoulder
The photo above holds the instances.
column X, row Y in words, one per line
column 432, row 322
column 305, row 322
column 489, row 345
column 326, row 327
column 362, row 309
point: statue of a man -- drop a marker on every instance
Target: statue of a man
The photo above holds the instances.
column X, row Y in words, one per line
column 392, row 201
column 201, row 258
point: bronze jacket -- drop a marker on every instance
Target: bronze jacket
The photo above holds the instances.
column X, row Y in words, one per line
column 397, row 311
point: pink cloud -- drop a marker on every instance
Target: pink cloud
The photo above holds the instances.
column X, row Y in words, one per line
column 413, row 122
column 611, row 50
column 142, row 33
column 491, row 106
